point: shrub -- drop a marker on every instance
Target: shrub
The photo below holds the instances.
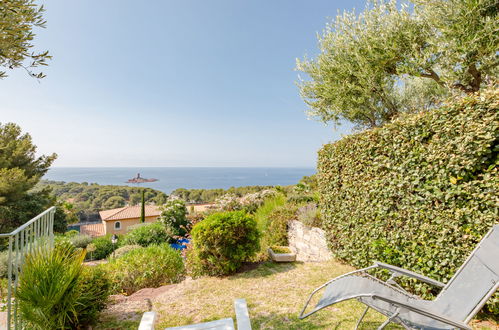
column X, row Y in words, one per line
column 418, row 193
column 71, row 233
column 48, row 292
column 81, row 241
column 4, row 283
column 4, row 264
column 222, row 242
column 57, row 292
column 228, row 202
column 262, row 213
column 148, row 267
column 194, row 218
column 124, row 250
column 173, row 216
column 281, row 249
column 94, row 285
column 103, row 247
column 276, row 232
column 61, row 238
column 249, row 202
column 309, row 215
column 147, row 234
column 300, row 199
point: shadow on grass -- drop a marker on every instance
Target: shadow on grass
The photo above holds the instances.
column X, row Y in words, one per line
column 111, row 323
column 263, row 269
column 288, row 321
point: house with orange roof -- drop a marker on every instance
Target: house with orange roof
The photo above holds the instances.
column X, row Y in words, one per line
column 118, row 221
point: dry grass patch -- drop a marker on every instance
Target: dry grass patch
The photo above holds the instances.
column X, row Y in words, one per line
column 275, row 294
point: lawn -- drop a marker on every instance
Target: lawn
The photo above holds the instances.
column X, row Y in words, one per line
column 275, row 294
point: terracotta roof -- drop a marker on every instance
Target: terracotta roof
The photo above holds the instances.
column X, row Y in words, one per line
column 129, row 212
column 94, row 230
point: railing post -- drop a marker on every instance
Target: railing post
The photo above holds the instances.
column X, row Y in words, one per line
column 9, row 288
column 16, row 264
column 25, row 238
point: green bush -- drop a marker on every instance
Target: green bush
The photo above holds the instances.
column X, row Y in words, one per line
column 4, row 283
column 95, row 286
column 195, row 217
column 57, row 292
column 300, row 199
column 148, row 267
column 222, row 242
column 147, row 234
column 173, row 217
column 103, row 247
column 71, row 233
column 4, row 264
column 124, row 250
column 262, row 213
column 309, row 215
column 48, row 292
column 276, row 232
column 419, row 193
column 81, row 241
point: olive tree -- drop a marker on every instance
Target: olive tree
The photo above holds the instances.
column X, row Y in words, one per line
column 371, row 65
column 17, row 20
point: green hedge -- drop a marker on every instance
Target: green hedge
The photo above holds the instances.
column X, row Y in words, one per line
column 418, row 193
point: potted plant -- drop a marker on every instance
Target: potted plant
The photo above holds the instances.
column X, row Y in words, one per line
column 282, row 254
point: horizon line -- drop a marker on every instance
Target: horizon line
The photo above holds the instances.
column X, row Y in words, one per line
column 183, row 167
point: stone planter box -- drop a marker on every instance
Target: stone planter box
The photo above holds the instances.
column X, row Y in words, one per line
column 282, row 257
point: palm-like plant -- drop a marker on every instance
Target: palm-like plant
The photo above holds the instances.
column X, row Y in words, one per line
column 48, row 291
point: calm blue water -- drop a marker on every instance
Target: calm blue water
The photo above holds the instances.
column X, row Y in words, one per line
column 171, row 178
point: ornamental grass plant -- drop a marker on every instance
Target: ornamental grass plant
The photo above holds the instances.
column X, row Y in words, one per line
column 57, row 292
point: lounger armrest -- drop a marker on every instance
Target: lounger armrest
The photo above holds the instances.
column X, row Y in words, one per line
column 405, row 272
column 425, row 311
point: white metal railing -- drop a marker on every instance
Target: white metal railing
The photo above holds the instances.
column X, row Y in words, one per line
column 21, row 241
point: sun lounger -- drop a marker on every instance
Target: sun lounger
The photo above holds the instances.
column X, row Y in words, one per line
column 242, row 317
column 457, row 303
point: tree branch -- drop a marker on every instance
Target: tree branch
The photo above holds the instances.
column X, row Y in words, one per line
column 392, row 108
column 432, row 75
column 477, row 77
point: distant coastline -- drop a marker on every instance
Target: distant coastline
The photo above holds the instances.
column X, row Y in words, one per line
column 171, row 178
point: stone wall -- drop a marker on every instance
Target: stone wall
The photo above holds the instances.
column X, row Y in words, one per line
column 308, row 242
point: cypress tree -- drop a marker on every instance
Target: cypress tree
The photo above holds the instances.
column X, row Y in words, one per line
column 143, row 209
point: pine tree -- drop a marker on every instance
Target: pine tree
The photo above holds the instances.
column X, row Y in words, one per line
column 20, row 170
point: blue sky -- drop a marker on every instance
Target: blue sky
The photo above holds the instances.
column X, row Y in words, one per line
column 173, row 83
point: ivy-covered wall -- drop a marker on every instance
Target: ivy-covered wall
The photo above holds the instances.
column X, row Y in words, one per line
column 417, row 193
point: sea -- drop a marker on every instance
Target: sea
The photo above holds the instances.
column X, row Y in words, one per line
column 171, row 178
